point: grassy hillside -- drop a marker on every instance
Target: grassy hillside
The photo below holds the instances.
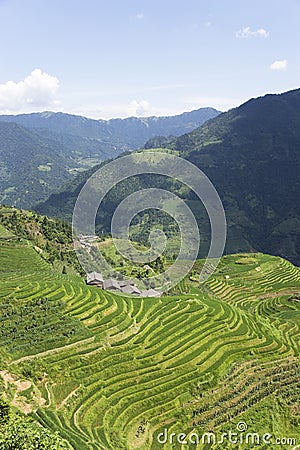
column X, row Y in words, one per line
column 31, row 166
column 111, row 373
column 51, row 238
column 251, row 154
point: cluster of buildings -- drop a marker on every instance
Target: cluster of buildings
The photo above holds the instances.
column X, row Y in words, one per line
column 124, row 286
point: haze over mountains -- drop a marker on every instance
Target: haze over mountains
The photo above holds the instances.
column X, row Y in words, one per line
column 252, row 155
column 41, row 151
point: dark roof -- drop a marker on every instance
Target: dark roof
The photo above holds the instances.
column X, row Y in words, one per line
column 94, row 277
column 130, row 290
column 126, row 283
column 111, row 284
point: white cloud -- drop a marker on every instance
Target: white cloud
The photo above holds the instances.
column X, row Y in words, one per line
column 279, row 65
column 37, row 90
column 111, row 109
column 139, row 16
column 141, row 108
column 247, row 33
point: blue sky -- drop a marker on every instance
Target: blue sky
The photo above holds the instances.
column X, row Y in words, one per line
column 120, row 58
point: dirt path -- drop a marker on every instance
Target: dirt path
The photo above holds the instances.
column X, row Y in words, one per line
column 52, row 351
column 10, row 378
column 276, row 294
column 18, row 400
column 48, row 404
column 65, row 400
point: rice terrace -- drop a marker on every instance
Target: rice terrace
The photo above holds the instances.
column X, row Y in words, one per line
column 149, row 225
column 112, row 372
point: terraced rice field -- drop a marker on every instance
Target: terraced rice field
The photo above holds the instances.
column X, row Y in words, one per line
column 111, row 373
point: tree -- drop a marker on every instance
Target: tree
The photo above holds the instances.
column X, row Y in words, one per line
column 22, row 433
column 4, row 412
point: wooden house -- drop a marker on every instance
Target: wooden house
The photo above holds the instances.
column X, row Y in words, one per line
column 94, row 279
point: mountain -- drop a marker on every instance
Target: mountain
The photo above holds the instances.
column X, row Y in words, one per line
column 39, row 152
column 107, row 138
column 252, row 156
column 31, row 166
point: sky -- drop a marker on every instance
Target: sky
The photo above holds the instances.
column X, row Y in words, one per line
column 120, row 58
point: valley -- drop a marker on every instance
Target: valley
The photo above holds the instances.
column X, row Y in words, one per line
column 88, row 369
column 250, row 154
column 149, row 225
column 40, row 152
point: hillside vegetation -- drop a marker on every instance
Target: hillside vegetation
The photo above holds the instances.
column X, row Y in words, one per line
column 252, row 156
column 111, row 372
column 123, row 134
column 51, row 238
column 19, row 433
column 39, row 152
column 31, row 166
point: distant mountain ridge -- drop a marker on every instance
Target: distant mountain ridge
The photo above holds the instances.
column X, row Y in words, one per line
column 39, row 152
column 125, row 134
column 252, row 156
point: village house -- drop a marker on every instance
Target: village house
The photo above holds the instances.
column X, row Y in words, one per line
column 128, row 282
column 125, row 286
column 94, row 279
column 111, row 285
column 130, row 289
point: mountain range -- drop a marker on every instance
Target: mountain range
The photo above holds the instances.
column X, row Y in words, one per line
column 83, row 368
column 252, row 156
column 39, row 152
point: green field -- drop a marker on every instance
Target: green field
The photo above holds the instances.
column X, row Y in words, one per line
column 109, row 372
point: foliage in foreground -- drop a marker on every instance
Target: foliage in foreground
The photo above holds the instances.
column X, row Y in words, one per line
column 22, row 433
